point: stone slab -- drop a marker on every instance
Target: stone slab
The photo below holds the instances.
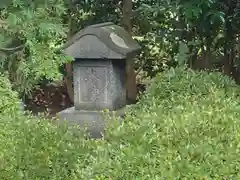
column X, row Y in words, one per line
column 99, row 84
column 93, row 121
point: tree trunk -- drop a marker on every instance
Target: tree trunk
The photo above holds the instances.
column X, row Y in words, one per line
column 68, row 67
column 68, row 81
column 131, row 85
column 230, row 38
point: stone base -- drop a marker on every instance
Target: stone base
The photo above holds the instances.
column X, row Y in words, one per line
column 93, row 121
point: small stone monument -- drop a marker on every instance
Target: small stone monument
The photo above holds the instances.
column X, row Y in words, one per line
column 100, row 52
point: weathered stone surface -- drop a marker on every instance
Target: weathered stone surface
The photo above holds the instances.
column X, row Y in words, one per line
column 105, row 40
column 92, row 48
column 99, row 84
column 93, row 121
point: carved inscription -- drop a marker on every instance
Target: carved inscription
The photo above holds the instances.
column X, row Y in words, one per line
column 93, row 85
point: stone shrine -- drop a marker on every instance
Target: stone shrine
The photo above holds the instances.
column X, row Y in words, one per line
column 99, row 74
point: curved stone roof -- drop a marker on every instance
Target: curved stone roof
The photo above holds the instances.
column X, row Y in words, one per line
column 112, row 36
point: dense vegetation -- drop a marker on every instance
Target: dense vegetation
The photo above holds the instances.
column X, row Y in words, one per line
column 203, row 34
column 184, row 126
column 9, row 101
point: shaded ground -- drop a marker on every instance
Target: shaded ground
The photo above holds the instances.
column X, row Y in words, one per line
column 49, row 99
column 53, row 98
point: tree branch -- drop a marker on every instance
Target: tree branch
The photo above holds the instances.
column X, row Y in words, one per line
column 12, row 49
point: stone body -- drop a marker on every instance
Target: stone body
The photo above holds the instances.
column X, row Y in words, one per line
column 99, row 74
column 99, row 84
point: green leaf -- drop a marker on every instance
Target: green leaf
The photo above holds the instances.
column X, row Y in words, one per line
column 218, row 17
column 12, row 19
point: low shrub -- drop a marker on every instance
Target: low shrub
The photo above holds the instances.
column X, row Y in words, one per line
column 185, row 127
column 9, row 101
column 187, row 82
column 34, row 149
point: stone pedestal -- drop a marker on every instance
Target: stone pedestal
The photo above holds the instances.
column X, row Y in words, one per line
column 94, row 121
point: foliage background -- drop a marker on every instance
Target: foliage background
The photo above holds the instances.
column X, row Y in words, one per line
column 202, row 34
column 37, row 30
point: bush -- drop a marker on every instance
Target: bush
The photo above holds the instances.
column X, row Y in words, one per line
column 186, row 126
column 9, row 101
column 180, row 82
column 33, row 149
